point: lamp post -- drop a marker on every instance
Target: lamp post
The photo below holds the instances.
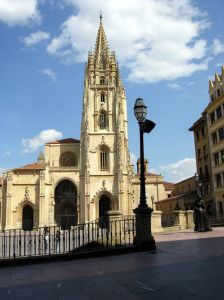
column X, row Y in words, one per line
column 143, row 239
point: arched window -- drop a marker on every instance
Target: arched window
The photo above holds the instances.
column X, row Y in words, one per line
column 104, row 159
column 102, row 97
column 103, row 119
column 102, row 80
column 68, row 159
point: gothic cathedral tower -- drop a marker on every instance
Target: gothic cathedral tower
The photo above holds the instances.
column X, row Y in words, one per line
column 105, row 173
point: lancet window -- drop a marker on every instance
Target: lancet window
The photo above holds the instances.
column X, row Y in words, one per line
column 103, row 119
column 104, row 159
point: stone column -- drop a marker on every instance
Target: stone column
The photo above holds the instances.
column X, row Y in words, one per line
column 156, row 221
column 190, row 219
column 180, row 219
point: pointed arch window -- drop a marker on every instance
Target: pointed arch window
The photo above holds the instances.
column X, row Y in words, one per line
column 103, row 119
column 102, row 80
column 102, row 97
column 104, row 159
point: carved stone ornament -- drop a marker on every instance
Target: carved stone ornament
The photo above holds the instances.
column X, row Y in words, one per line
column 9, row 176
column 103, row 140
column 27, row 194
column 42, row 175
column 104, row 184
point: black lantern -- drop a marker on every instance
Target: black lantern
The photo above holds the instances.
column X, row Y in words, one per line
column 140, row 110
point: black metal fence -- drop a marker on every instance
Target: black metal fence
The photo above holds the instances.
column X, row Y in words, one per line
column 168, row 220
column 216, row 220
column 55, row 241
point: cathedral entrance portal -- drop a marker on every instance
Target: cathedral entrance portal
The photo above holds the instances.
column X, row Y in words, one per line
column 104, row 206
column 27, row 218
column 66, row 204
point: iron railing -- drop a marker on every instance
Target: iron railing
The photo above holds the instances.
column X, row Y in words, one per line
column 168, row 220
column 55, row 241
column 216, row 220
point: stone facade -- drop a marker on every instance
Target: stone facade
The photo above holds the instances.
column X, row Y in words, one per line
column 77, row 181
column 203, row 160
column 209, row 147
column 215, row 120
column 182, row 197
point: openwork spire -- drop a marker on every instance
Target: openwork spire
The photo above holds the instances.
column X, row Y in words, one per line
column 102, row 51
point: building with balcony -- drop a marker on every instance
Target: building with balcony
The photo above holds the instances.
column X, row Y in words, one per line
column 215, row 122
column 203, row 160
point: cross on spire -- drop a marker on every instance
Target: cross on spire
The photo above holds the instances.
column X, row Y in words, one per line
column 101, row 17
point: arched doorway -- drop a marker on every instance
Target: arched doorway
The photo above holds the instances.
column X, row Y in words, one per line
column 104, row 206
column 27, row 218
column 66, row 204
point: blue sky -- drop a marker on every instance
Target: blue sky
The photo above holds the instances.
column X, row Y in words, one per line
column 167, row 51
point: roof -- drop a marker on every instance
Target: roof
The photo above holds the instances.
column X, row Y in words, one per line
column 168, row 185
column 148, row 174
column 34, row 166
column 65, row 141
column 200, row 120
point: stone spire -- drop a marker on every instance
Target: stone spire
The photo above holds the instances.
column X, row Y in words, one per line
column 102, row 51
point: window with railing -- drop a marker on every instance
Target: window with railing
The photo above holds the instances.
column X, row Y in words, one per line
column 219, row 112
column 218, row 180
column 214, row 138
column 212, row 117
column 222, row 155
column 221, row 133
column 216, row 158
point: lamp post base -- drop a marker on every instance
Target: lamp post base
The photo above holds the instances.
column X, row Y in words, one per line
column 143, row 239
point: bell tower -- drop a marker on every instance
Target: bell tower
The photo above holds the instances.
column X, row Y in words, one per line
column 105, row 171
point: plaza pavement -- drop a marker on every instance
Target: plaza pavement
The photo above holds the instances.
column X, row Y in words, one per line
column 187, row 265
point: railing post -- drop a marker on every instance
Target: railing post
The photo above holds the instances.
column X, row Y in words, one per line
column 156, row 219
column 180, row 219
column 190, row 219
column 114, row 225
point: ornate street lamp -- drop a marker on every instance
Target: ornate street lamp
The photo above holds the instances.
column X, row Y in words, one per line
column 143, row 238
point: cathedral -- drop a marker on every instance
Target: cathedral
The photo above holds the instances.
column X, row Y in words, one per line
column 78, row 181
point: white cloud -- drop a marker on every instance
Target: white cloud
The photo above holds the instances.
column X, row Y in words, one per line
column 48, row 72
column 174, row 86
column 19, row 12
column 217, row 47
column 35, row 38
column 45, row 136
column 179, row 170
column 163, row 40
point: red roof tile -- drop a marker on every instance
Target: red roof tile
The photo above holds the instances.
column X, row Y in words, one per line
column 168, row 185
column 148, row 174
column 35, row 166
column 65, row 141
